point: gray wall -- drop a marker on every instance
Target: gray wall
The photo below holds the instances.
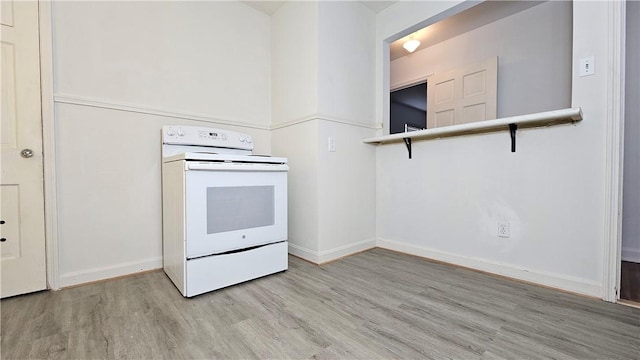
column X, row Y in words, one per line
column 631, row 205
column 534, row 58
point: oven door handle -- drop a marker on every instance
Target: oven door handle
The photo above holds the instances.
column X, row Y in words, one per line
column 222, row 166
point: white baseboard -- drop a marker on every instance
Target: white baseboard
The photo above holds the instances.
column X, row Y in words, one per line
column 576, row 285
column 345, row 250
column 632, row 255
column 320, row 257
column 303, row 252
column 95, row 274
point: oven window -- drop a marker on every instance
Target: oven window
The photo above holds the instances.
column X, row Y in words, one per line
column 239, row 207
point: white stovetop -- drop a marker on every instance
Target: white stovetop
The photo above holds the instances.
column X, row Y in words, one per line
column 209, row 156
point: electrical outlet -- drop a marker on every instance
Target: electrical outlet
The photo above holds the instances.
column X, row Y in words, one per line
column 503, row 229
column 331, row 144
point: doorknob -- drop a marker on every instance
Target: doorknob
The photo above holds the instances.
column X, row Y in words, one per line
column 26, row 153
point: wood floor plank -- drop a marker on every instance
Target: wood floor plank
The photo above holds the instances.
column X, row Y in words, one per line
column 375, row 305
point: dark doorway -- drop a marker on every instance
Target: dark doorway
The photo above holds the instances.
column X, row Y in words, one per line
column 408, row 107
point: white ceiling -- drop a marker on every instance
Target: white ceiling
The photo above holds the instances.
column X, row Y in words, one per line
column 267, row 7
column 378, row 6
column 460, row 23
column 270, row 7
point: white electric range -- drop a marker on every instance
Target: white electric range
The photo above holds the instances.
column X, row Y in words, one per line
column 224, row 210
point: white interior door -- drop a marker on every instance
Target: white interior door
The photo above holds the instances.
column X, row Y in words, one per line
column 463, row 95
column 22, row 243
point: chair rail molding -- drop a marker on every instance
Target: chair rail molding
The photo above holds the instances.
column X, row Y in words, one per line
column 150, row 110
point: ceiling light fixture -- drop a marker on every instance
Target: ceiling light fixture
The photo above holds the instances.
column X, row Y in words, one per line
column 411, row 45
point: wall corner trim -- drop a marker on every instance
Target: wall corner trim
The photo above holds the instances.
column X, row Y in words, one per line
column 612, row 241
column 48, row 143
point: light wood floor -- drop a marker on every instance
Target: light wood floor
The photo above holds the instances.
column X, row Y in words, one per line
column 377, row 304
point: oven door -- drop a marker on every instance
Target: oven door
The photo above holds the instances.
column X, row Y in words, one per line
column 234, row 206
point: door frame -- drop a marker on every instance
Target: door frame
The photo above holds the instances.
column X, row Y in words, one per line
column 48, row 143
column 614, row 152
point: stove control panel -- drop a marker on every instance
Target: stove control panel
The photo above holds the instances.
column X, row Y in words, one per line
column 205, row 136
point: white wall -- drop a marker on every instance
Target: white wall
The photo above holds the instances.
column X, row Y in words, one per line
column 197, row 57
column 112, row 85
column 323, row 71
column 347, row 190
column 296, row 143
column 631, row 201
column 294, row 57
column 121, row 71
column 294, row 33
column 346, row 177
column 445, row 202
column 346, row 66
column 534, row 61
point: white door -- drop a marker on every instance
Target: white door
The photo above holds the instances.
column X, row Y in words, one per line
column 22, row 243
column 463, row 95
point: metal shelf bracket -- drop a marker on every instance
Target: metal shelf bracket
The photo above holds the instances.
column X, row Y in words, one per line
column 512, row 131
column 407, row 141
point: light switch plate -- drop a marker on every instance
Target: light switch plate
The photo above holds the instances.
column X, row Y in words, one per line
column 587, row 66
column 331, row 144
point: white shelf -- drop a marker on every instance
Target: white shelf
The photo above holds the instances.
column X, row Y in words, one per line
column 547, row 118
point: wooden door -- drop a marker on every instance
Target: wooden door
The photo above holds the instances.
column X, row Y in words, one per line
column 22, row 243
column 463, row 95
